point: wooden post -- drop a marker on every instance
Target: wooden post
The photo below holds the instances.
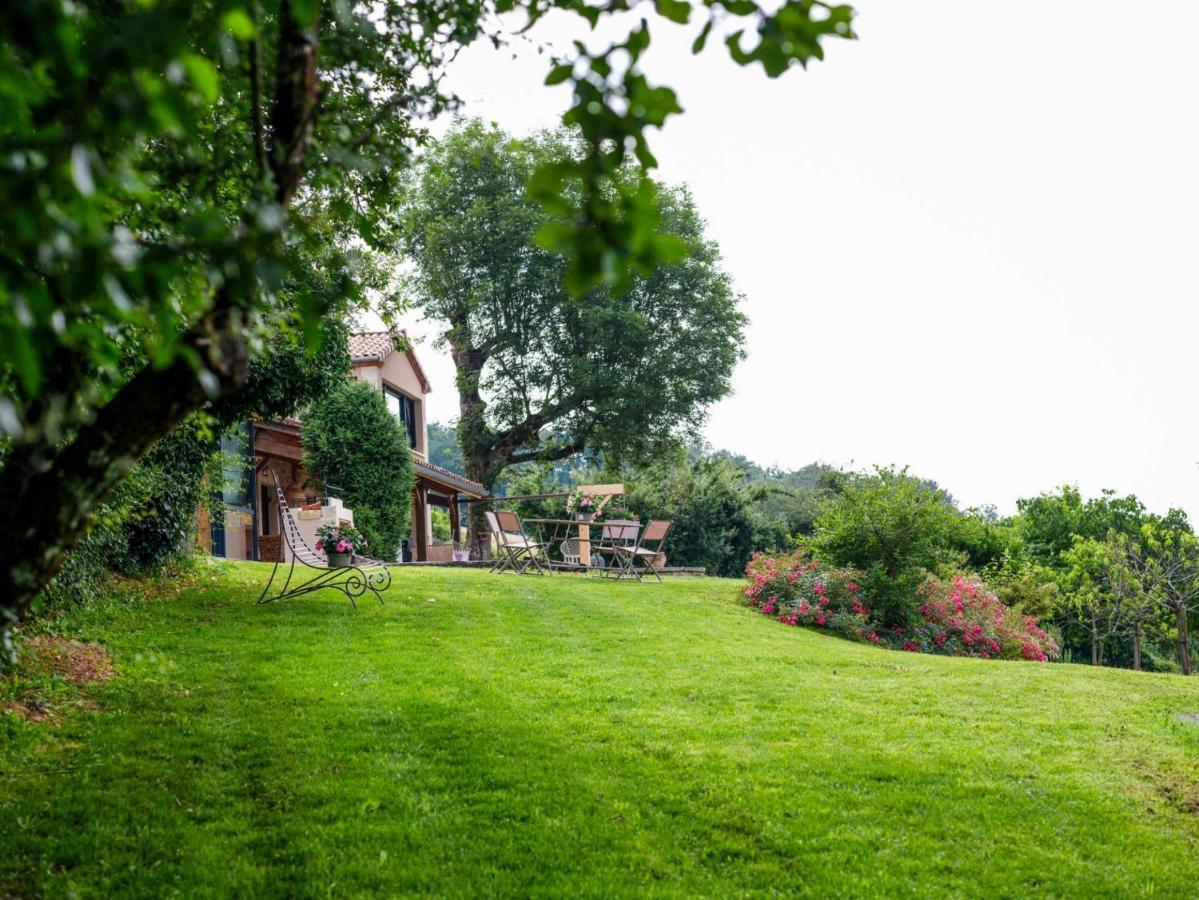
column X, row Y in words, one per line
column 608, row 491
column 584, row 544
column 420, row 521
column 455, row 534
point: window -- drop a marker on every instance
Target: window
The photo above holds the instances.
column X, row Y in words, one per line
column 404, row 409
column 264, row 509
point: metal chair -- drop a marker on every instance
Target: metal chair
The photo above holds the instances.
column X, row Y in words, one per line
column 521, row 552
column 636, row 559
column 501, row 559
column 353, row 581
column 613, row 534
column 570, row 552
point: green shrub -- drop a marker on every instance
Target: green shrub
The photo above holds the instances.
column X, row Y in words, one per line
column 717, row 521
column 352, row 440
column 147, row 521
column 440, row 519
column 896, row 529
column 954, row 616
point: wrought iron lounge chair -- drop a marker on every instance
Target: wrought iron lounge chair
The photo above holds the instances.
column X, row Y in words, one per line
column 353, row 581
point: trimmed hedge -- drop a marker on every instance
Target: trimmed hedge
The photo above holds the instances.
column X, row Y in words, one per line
column 352, row 440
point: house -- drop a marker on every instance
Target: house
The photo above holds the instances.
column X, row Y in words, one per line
column 249, row 527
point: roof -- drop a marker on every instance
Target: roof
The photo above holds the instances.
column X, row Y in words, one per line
column 376, row 346
column 449, row 479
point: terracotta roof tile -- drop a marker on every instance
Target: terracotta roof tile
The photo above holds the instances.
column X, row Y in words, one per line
column 370, row 346
column 458, row 481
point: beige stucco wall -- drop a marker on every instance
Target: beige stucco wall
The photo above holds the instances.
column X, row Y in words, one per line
column 398, row 374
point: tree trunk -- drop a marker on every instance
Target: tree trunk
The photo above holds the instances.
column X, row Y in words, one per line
column 1096, row 645
column 1184, row 650
column 475, row 441
column 478, row 534
column 1136, row 647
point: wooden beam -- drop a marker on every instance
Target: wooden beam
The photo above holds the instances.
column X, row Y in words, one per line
column 607, row 490
column 265, row 443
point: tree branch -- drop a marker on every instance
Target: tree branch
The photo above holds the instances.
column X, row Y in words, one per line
column 259, row 130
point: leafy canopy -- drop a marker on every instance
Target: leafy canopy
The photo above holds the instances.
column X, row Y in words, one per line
column 145, row 169
column 543, row 375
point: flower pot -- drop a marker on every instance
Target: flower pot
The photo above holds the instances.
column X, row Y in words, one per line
column 585, row 517
column 340, row 560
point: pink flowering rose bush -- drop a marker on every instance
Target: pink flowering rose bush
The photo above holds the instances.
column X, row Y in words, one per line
column 961, row 616
column 798, row 590
column 958, row 616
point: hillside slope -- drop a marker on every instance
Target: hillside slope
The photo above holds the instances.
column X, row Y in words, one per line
column 485, row 734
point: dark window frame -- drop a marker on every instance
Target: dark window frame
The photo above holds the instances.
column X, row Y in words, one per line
column 407, row 416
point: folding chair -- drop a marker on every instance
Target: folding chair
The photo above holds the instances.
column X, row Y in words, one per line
column 614, row 534
column 501, row 559
column 519, row 550
column 637, row 559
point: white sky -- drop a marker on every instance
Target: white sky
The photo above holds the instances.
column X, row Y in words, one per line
column 967, row 242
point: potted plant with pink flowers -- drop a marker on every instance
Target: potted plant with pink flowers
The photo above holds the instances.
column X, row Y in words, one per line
column 339, row 543
column 583, row 505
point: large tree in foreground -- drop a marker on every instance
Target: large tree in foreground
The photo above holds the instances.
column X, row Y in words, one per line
column 542, row 375
column 168, row 169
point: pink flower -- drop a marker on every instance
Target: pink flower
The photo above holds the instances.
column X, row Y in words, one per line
column 342, row 546
column 820, row 619
column 320, row 545
column 873, row 637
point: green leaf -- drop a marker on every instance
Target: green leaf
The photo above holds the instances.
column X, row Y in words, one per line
column 559, row 73
column 740, row 7
column 238, row 23
column 702, row 39
column 203, row 76
column 676, row 10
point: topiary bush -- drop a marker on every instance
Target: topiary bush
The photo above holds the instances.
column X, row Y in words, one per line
column 352, row 440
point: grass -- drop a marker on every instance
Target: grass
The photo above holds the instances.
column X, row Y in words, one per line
column 523, row 736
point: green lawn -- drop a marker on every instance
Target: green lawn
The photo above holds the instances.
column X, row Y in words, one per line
column 571, row 737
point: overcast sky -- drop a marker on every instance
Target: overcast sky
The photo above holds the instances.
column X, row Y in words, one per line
column 968, row 242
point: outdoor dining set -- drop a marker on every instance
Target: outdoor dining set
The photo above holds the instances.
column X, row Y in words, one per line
column 622, row 548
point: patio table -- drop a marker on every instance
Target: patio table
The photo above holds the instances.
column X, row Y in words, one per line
column 561, row 529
